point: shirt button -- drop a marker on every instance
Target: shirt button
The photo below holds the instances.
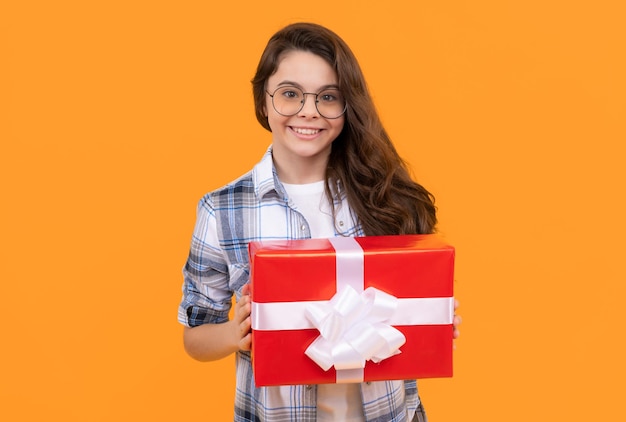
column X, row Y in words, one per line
column 309, row 386
column 341, row 223
column 368, row 383
column 303, row 227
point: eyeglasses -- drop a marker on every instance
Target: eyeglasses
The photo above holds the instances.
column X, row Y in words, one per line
column 289, row 100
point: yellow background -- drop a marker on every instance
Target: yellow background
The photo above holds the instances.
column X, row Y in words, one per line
column 117, row 116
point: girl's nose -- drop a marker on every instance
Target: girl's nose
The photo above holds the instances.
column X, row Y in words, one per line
column 309, row 108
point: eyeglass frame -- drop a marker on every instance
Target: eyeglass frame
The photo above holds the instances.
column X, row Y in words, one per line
column 304, row 94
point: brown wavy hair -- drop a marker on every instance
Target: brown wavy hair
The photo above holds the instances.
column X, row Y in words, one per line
column 363, row 160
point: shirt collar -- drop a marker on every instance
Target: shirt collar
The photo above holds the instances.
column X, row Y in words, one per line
column 265, row 178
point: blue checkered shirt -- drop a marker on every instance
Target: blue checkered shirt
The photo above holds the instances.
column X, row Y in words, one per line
column 256, row 207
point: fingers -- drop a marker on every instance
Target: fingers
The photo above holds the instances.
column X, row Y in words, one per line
column 242, row 307
column 245, row 290
column 456, row 321
column 244, row 334
column 242, row 319
column 246, row 342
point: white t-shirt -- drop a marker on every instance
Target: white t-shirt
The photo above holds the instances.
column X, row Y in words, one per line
column 309, row 199
column 335, row 402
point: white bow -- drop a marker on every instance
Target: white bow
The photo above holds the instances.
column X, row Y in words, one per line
column 353, row 330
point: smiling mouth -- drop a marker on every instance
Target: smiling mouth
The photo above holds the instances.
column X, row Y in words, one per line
column 305, row 131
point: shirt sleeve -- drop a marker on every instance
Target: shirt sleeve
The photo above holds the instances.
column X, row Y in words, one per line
column 206, row 291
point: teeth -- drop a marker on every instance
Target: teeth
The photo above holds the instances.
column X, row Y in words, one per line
column 303, row 131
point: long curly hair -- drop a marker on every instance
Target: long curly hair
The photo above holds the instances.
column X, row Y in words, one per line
column 363, row 160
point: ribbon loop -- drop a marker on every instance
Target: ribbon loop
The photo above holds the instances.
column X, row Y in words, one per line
column 353, row 329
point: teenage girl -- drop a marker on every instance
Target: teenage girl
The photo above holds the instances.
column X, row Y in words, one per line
column 331, row 170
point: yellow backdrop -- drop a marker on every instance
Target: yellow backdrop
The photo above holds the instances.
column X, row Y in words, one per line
column 117, row 116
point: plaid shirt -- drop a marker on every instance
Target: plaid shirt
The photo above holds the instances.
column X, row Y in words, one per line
column 256, row 207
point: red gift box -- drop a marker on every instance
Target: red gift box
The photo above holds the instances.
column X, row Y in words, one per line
column 293, row 281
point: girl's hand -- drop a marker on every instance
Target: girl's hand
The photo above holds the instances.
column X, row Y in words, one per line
column 456, row 321
column 241, row 320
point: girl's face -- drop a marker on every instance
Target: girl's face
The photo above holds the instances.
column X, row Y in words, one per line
column 302, row 141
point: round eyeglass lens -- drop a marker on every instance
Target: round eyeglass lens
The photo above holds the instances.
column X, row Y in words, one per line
column 289, row 100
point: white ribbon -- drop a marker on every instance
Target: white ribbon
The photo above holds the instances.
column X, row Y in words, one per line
column 354, row 329
column 281, row 316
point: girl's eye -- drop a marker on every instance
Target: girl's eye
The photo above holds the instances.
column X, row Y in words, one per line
column 329, row 97
column 290, row 94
